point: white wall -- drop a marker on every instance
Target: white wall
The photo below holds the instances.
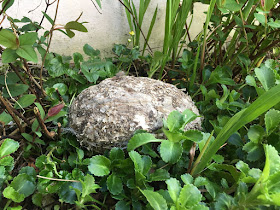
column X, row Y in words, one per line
column 104, row 29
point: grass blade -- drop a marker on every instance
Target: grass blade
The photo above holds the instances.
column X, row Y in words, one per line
column 261, row 105
column 150, row 30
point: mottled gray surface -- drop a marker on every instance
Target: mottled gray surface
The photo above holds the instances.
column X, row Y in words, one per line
column 107, row 114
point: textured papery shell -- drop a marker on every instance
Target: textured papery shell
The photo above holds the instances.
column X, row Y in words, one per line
column 106, row 115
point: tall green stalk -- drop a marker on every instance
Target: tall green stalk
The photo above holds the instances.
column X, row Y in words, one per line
column 208, row 17
column 175, row 20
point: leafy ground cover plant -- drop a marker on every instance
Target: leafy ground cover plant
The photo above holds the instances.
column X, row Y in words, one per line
column 233, row 163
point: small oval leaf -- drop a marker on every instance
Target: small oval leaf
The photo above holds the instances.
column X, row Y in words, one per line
column 8, row 146
column 99, row 165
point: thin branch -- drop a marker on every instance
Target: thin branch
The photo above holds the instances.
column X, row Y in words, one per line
column 96, row 7
column 22, row 117
column 4, row 7
column 23, row 126
column 55, row 179
column 50, row 40
column 187, row 29
column 42, row 124
column 35, row 8
column 20, row 77
column 10, row 110
column 265, row 49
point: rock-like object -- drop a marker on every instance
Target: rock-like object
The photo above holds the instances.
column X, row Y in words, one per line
column 106, row 115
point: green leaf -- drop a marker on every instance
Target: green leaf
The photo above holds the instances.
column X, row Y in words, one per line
column 189, row 116
column 140, row 139
column 159, row 175
column 258, row 107
column 74, row 25
column 255, row 151
column 12, row 194
column 15, row 90
column 232, row 5
column 24, row 184
column 37, row 199
column 141, row 164
column 189, row 196
column 174, row 188
column 25, row 101
column 266, row 77
column 98, row 2
column 7, row 161
column 116, row 154
column 15, row 208
column 90, row 51
column 9, row 55
column 175, row 121
column 8, row 146
column 28, row 39
column 274, row 24
column 199, row 207
column 41, row 162
column 91, row 75
column 173, row 136
column 67, row 191
column 200, row 181
column 30, row 171
column 268, row 4
column 5, row 118
column 239, row 22
column 9, row 4
column 89, row 185
column 61, row 87
column 255, row 133
column 28, row 53
column 170, row 152
column 231, row 169
column 55, row 68
column 35, row 127
column 272, row 162
column 41, row 110
column 187, row 178
column 155, row 199
column 99, row 165
column 260, row 18
column 272, row 120
column 48, row 17
column 70, row 33
column 8, row 39
column 114, row 184
column 243, row 167
column 224, row 201
column 194, row 135
column 250, row 80
column 122, row 205
column 11, row 78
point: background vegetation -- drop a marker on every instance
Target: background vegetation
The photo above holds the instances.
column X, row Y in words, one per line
column 231, row 70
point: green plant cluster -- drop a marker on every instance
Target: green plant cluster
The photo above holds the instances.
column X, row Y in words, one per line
column 233, row 162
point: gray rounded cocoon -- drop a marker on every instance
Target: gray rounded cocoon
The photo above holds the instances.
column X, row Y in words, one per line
column 106, row 115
